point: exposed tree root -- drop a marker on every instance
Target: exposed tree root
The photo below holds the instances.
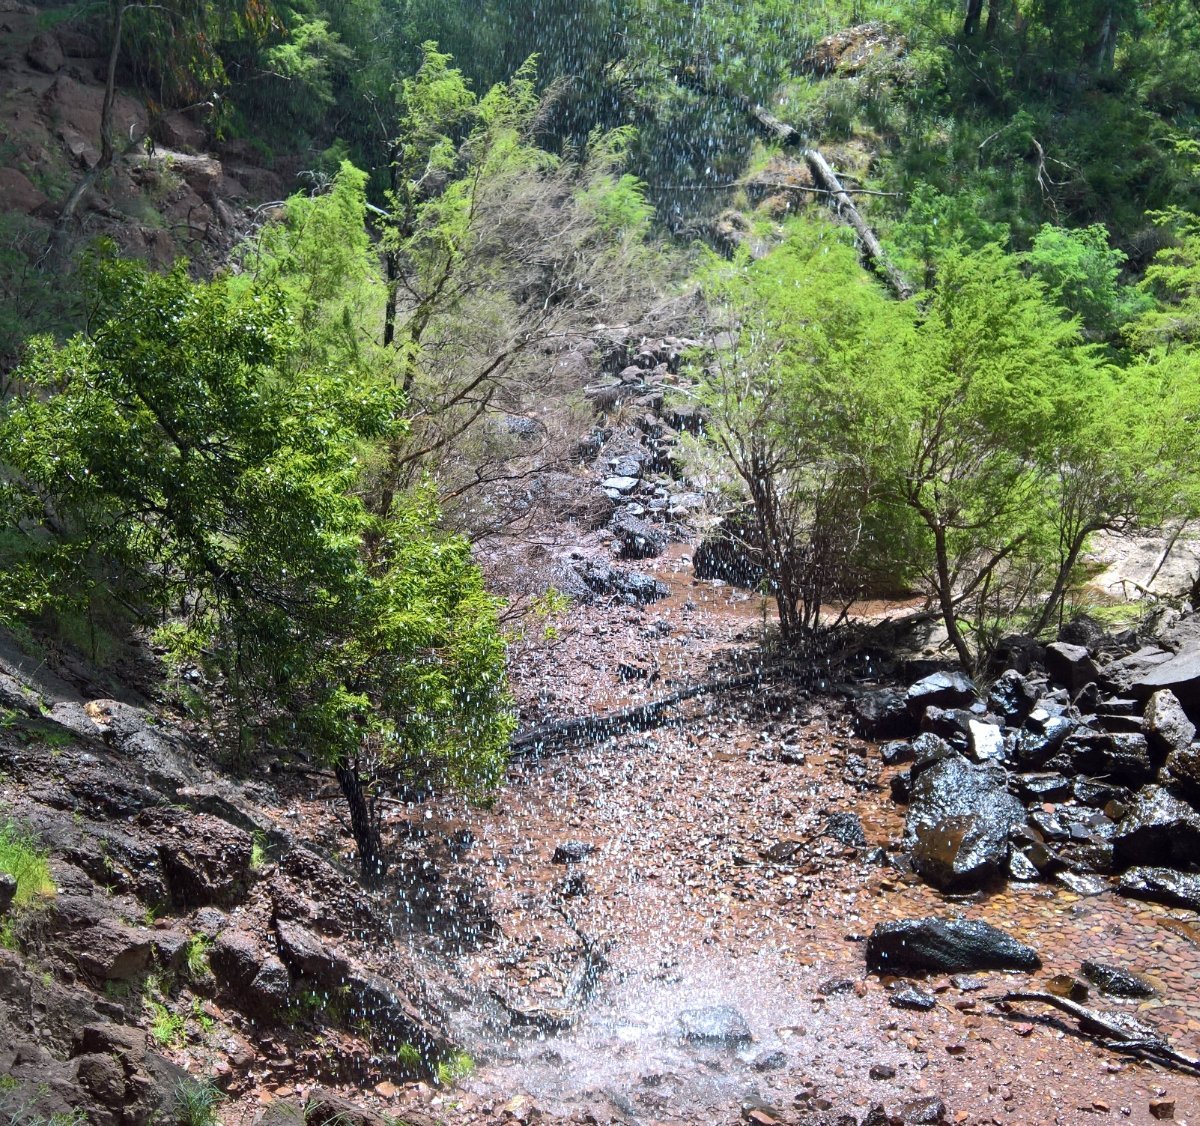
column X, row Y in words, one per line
column 1117, row 1031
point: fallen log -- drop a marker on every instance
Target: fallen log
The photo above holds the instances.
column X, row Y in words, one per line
column 1116, row 1031
column 873, row 251
column 638, row 717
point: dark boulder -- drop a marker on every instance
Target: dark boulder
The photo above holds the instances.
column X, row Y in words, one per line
column 1115, row 981
column 572, row 852
column 928, row 749
column 1158, row 828
column 896, row 752
column 1124, row 758
column 1012, row 697
column 1070, row 665
column 717, row 1025
column 1162, row 885
column 951, row 724
column 936, row 945
column 882, row 714
column 958, row 824
column 636, row 538
column 205, row 860
column 589, row 580
column 1184, row 768
column 1045, row 787
column 235, row 959
column 308, row 956
column 111, row 951
column 1018, row 652
column 1042, row 739
column 941, row 690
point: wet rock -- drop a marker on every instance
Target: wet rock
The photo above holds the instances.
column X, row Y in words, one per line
column 717, row 1025
column 1090, row 792
column 1018, row 652
column 928, row 750
column 1122, row 757
column 1070, row 665
column 900, row 786
column 958, row 824
column 324, row 1108
column 111, row 951
column 940, row 690
column 620, row 485
column 910, row 997
column 985, row 741
column 1158, row 828
column 945, row 946
column 834, row 986
column 1020, row 867
column 637, row 538
column 883, row 714
column 846, row 828
column 896, row 752
column 1045, row 787
column 1115, row 981
column 1162, row 885
column 1183, row 766
column 8, row 891
column 732, row 553
column 573, row 886
column 926, row 1111
column 1081, row 883
column 271, row 986
column 951, row 724
column 769, row 1061
column 1012, row 697
column 599, row 579
column 572, row 852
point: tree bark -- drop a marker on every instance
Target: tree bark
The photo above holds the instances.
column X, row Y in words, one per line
column 971, row 19
column 945, row 592
column 364, row 824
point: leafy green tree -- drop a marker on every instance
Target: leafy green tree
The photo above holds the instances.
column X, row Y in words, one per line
column 1081, row 272
column 997, row 383
column 177, row 457
column 802, row 408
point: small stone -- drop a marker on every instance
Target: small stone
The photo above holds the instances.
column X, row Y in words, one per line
column 1115, row 981
column 769, row 1061
column 572, row 852
column 1162, row 1108
column 882, row 1071
column 912, row 998
column 1064, row 985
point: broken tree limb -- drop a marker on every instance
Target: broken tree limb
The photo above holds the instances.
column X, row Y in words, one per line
column 640, row 717
column 1117, row 1031
column 873, row 251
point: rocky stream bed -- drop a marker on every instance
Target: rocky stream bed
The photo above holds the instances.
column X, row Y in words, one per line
column 712, row 909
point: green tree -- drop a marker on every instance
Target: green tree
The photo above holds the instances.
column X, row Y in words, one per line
column 803, row 406
column 998, row 383
column 178, row 458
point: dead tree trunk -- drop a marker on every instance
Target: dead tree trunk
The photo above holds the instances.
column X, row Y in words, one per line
column 827, row 178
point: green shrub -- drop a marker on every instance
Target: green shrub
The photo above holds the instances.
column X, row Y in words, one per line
column 196, row 1102
column 21, row 858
